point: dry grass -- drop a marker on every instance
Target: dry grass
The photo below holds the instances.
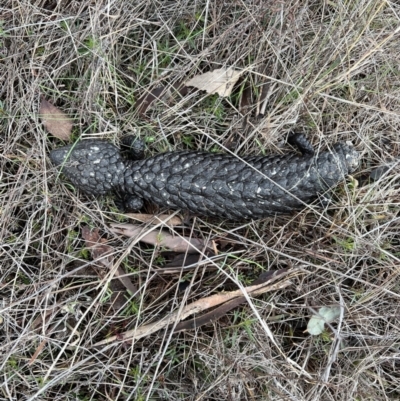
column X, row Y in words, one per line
column 330, row 69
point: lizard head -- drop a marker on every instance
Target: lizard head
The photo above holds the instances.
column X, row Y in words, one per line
column 349, row 155
column 93, row 166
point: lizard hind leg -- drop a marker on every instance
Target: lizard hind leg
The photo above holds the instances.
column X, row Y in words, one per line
column 128, row 203
column 299, row 141
column 133, row 147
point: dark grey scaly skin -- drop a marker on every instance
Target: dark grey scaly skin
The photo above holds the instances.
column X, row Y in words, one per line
column 209, row 184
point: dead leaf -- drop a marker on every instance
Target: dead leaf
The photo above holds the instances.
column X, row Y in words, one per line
column 101, row 252
column 160, row 238
column 180, row 87
column 211, row 316
column 97, row 246
column 181, row 260
column 55, row 120
column 245, row 100
column 153, row 219
column 148, row 98
column 223, row 309
column 219, row 81
column 277, row 282
column 161, row 93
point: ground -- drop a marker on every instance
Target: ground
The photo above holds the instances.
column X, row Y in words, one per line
column 327, row 69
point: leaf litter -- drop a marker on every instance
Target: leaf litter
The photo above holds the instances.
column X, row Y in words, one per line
column 273, row 282
column 220, row 81
column 55, row 121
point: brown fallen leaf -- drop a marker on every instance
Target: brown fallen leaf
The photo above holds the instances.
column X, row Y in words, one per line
column 211, row 316
column 55, row 120
column 245, row 100
column 181, row 260
column 161, row 93
column 97, row 246
column 219, row 81
column 153, row 219
column 160, row 238
column 223, row 309
column 101, row 253
column 148, row 98
column 277, row 282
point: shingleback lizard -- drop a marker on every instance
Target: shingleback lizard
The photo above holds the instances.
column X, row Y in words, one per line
column 210, row 184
